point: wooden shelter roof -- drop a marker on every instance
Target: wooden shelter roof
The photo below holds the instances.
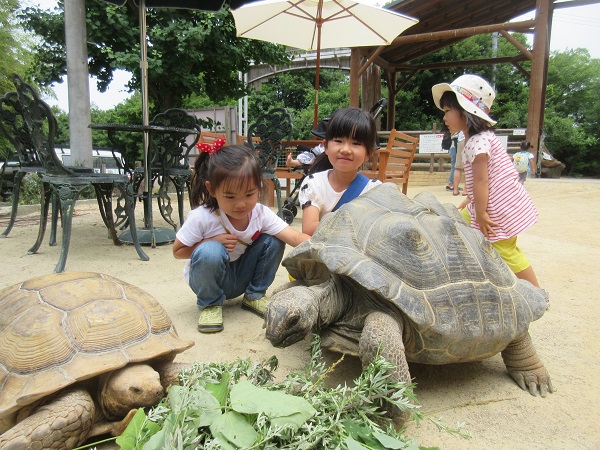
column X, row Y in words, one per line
column 444, row 15
column 445, row 22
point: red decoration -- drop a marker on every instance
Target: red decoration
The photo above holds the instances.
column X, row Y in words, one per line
column 211, row 149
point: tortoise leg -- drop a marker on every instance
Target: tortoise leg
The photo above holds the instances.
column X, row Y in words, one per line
column 382, row 335
column 63, row 423
column 525, row 366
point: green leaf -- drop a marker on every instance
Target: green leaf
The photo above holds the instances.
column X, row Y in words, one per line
column 388, row 441
column 131, row 436
column 362, row 433
column 233, row 431
column 194, row 403
column 353, row 445
column 220, row 390
column 280, row 407
column 156, row 441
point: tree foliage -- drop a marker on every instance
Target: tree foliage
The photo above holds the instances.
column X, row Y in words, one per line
column 188, row 51
column 194, row 59
column 572, row 118
column 14, row 55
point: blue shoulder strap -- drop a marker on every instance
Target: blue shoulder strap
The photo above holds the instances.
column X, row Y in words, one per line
column 353, row 191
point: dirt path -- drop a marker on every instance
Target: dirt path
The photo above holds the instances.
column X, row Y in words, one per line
column 565, row 254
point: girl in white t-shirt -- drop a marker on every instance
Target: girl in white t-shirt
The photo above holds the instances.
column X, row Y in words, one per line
column 234, row 244
column 349, row 140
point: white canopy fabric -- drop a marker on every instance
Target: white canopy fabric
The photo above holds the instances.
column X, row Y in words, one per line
column 316, row 24
column 344, row 23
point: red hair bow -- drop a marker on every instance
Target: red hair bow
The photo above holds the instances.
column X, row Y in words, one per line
column 211, row 149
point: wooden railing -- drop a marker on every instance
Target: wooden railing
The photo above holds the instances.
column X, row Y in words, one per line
column 440, row 162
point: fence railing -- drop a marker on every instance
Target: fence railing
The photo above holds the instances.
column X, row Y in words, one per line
column 440, row 162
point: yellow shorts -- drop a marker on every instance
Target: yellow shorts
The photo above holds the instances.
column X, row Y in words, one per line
column 512, row 255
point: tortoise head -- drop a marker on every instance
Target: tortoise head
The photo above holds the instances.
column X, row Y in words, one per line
column 291, row 314
column 134, row 386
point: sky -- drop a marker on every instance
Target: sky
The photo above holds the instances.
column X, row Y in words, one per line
column 577, row 27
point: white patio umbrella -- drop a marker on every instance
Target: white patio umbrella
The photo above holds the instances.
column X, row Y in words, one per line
column 316, row 24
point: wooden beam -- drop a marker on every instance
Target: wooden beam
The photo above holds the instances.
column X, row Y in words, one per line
column 390, row 79
column 571, row 4
column 465, row 63
column 539, row 73
column 372, row 58
column 463, row 32
column 517, row 44
column 522, row 70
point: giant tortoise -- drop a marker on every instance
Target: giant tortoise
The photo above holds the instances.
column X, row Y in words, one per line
column 411, row 280
column 80, row 351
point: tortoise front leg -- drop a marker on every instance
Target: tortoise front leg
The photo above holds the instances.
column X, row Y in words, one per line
column 525, row 366
column 63, row 423
column 382, row 335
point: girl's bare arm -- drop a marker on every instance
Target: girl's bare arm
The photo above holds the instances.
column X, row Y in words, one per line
column 481, row 195
column 292, row 236
column 310, row 220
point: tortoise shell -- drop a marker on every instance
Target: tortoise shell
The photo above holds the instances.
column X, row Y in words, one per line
column 62, row 328
column 421, row 259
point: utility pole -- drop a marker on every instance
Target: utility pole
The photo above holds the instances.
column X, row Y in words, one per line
column 495, row 35
column 78, row 84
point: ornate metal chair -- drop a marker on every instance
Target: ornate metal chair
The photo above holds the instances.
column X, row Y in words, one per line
column 36, row 131
column 13, row 127
column 169, row 153
column 274, row 131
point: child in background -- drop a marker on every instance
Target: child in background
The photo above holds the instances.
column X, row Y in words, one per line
column 334, row 179
column 234, row 244
column 305, row 157
column 524, row 161
column 497, row 204
column 308, row 155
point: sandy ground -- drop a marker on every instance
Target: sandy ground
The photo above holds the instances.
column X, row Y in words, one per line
column 565, row 255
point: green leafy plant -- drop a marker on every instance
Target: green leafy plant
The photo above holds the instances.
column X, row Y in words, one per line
column 237, row 405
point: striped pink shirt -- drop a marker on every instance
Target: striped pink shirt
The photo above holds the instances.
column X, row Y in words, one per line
column 509, row 204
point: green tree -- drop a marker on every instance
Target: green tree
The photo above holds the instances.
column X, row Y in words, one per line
column 295, row 91
column 14, row 54
column 188, row 51
column 572, row 117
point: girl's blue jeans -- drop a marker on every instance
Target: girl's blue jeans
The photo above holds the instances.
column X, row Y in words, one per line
column 213, row 278
column 452, row 153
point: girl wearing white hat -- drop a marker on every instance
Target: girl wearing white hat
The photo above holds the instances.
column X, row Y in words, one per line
column 497, row 204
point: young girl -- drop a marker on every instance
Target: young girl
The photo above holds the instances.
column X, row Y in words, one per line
column 349, row 141
column 497, row 204
column 234, row 244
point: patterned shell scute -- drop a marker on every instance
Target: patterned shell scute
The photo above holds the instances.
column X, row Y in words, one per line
column 58, row 329
column 458, row 294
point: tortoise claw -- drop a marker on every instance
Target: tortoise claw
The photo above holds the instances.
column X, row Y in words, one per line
column 533, row 382
column 533, row 388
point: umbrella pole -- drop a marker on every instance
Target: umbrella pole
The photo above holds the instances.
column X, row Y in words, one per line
column 319, row 20
column 145, row 122
column 317, row 76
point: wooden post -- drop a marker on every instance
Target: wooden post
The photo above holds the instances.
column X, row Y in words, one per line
column 354, row 78
column 539, row 74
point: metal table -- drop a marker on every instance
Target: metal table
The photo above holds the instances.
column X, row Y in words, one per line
column 149, row 234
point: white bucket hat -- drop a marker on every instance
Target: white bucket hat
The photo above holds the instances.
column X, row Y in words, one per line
column 473, row 93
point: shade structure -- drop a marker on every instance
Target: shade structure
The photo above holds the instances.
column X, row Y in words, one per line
column 316, row 24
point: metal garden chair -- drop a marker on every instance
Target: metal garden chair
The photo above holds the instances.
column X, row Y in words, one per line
column 269, row 137
column 32, row 128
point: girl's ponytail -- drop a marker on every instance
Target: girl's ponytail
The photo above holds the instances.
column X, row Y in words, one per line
column 198, row 191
